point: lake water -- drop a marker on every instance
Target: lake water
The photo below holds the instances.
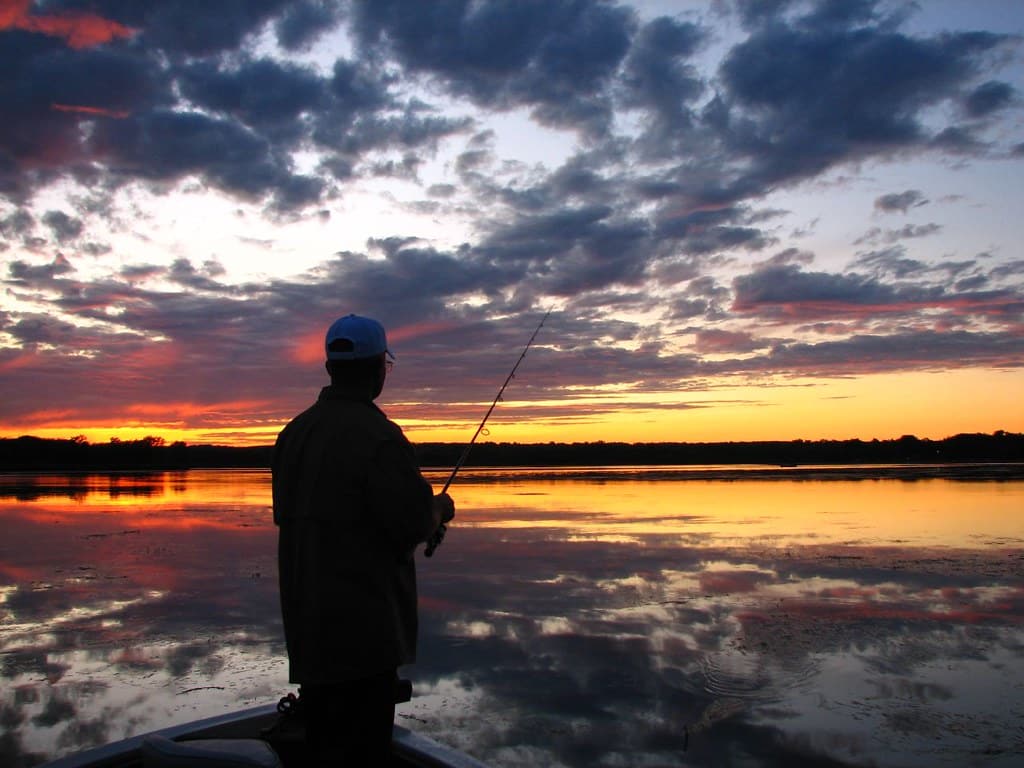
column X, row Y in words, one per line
column 611, row 617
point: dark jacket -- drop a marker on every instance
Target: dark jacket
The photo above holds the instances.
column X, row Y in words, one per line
column 351, row 506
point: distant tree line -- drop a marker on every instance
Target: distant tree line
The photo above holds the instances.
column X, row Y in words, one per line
column 34, row 453
column 997, row 447
column 146, row 453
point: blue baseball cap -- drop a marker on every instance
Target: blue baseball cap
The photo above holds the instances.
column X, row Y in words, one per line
column 355, row 338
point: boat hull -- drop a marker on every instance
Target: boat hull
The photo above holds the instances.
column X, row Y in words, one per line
column 408, row 747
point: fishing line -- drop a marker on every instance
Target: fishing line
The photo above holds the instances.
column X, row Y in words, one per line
column 438, row 536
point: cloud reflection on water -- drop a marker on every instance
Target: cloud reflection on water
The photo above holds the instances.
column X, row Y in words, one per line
column 596, row 628
column 666, row 654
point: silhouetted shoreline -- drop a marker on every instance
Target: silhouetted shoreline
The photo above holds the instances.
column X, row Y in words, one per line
column 900, row 455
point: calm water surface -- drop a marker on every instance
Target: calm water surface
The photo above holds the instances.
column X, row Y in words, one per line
column 577, row 618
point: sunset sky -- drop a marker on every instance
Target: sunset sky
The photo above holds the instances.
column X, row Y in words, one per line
column 751, row 219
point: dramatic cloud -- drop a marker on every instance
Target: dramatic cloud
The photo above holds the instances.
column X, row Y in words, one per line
column 698, row 195
column 556, row 58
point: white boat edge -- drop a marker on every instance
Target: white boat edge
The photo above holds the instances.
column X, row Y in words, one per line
column 416, row 749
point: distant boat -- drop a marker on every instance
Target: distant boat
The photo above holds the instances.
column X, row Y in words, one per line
column 240, row 740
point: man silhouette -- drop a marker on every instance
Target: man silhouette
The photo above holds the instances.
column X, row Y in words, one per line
column 351, row 506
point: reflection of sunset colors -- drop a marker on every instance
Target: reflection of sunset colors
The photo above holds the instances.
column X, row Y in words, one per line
column 160, row 500
column 934, row 512
column 575, row 617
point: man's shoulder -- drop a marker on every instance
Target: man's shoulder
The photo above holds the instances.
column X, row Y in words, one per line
column 306, row 415
column 335, row 414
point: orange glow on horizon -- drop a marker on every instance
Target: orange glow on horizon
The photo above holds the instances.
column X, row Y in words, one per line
column 237, row 423
column 927, row 405
column 237, row 437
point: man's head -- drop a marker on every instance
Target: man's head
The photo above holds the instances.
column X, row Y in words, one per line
column 357, row 354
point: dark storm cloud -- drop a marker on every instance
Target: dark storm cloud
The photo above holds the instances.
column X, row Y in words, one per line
column 64, row 227
column 361, row 116
column 658, row 78
column 538, row 238
column 718, row 239
column 166, row 145
column 900, row 201
column 1009, row 269
column 912, row 231
column 266, row 95
column 48, row 89
column 679, row 224
column 41, row 275
column 988, row 97
column 788, row 293
column 304, row 21
column 17, row 224
column 414, row 280
column 169, row 107
column 412, row 128
column 184, row 273
column 36, row 329
column 707, row 287
column 554, row 57
column 773, row 288
column 572, row 250
column 870, row 353
column 134, row 272
column 601, row 240
column 801, row 97
column 957, row 139
column 892, row 261
column 906, row 232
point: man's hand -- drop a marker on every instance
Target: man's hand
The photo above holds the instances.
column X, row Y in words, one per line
column 444, row 508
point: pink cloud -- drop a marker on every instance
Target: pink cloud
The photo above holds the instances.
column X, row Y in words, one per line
column 79, row 30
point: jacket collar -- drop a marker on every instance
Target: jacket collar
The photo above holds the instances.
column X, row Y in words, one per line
column 334, row 394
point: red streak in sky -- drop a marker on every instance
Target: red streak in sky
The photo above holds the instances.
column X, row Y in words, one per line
column 407, row 332
column 79, row 30
column 22, row 359
column 99, row 111
column 309, row 347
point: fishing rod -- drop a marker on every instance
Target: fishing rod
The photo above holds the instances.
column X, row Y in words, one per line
column 438, row 537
